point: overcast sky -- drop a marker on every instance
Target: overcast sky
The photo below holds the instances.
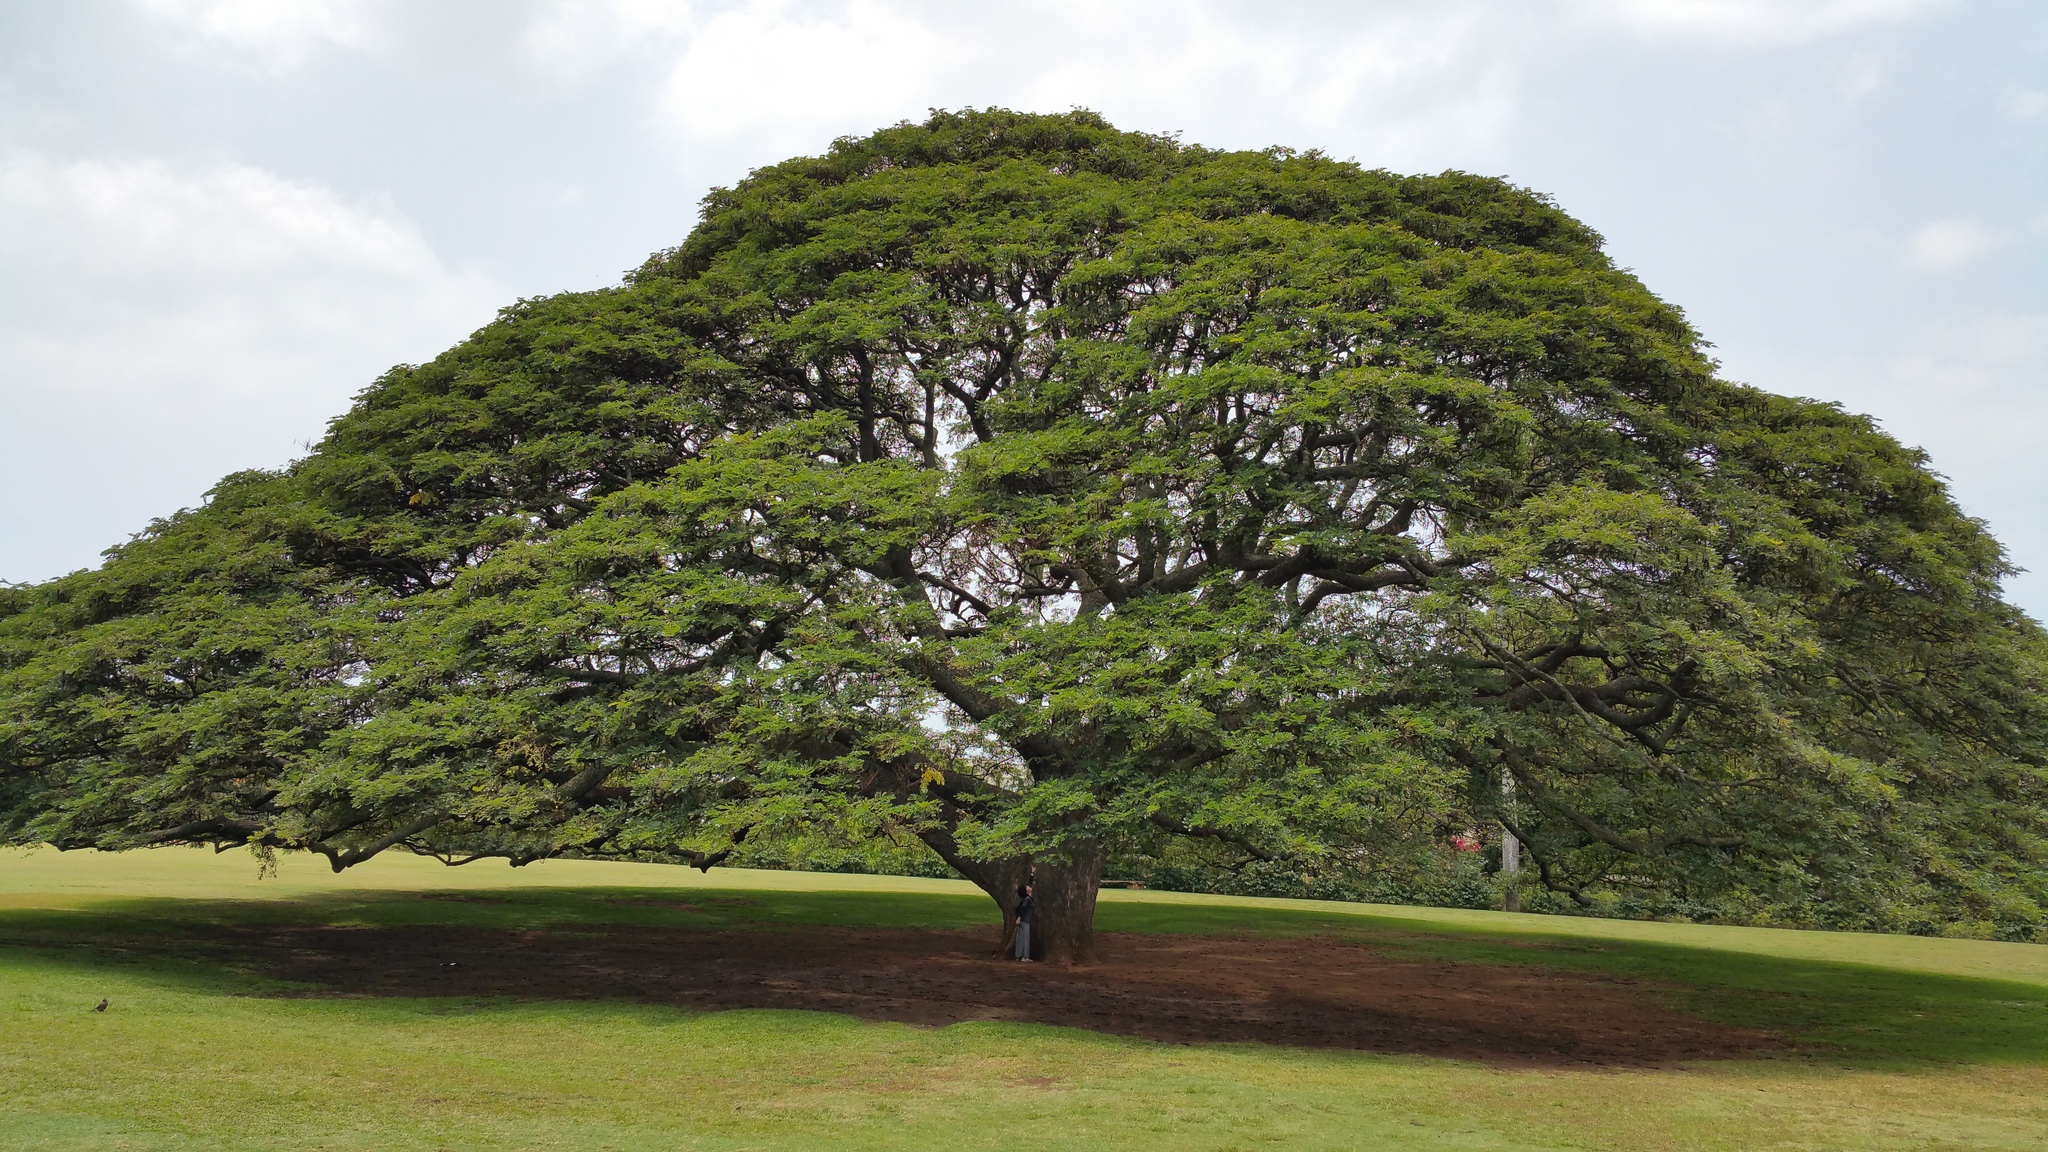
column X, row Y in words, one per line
column 220, row 219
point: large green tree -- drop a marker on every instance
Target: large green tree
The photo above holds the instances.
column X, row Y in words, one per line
column 1033, row 488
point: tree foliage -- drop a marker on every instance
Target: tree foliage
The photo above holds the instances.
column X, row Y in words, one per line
column 1034, row 488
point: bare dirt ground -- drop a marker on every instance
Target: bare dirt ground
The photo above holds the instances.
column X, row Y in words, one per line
column 1310, row 992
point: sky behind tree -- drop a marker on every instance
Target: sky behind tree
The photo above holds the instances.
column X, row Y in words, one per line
column 222, row 218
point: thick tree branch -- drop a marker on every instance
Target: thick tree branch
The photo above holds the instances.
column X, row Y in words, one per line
column 342, row 859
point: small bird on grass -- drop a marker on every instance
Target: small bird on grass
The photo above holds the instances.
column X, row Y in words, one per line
column 100, row 1007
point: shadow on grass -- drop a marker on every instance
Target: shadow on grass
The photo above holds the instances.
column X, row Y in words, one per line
column 1864, row 1015
column 1857, row 1015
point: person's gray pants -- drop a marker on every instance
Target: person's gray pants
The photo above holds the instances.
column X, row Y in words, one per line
column 1023, row 939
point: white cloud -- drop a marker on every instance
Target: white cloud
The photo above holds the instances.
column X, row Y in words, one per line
column 172, row 322
column 1400, row 82
column 756, row 81
column 276, row 34
column 1860, row 74
column 574, row 39
column 2026, row 104
column 1756, row 22
column 1402, row 85
column 1974, row 394
column 1946, row 245
column 762, row 67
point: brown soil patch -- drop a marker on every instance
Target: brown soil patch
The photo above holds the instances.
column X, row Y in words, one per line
column 1312, row 992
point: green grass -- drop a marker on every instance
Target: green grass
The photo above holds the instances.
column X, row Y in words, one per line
column 1908, row 1043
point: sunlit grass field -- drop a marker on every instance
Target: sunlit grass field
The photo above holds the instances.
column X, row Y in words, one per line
column 1899, row 1042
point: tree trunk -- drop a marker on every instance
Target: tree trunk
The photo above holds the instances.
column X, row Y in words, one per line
column 1063, row 930
column 1064, row 886
column 999, row 878
column 1510, row 851
column 1063, row 927
column 1510, row 870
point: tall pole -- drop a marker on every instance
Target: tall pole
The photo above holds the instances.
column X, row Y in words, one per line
column 1510, row 850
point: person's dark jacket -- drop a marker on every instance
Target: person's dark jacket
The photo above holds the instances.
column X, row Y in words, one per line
column 1025, row 906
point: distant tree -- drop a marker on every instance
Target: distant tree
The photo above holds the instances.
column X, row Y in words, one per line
column 1030, row 487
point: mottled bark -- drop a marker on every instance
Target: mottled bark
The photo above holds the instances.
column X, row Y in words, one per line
column 1063, row 930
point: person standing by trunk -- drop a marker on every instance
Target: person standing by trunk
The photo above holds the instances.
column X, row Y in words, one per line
column 1025, row 906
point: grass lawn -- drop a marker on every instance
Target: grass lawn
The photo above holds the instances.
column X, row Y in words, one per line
column 1901, row 1042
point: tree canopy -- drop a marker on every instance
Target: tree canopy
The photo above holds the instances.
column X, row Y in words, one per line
column 1036, row 489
